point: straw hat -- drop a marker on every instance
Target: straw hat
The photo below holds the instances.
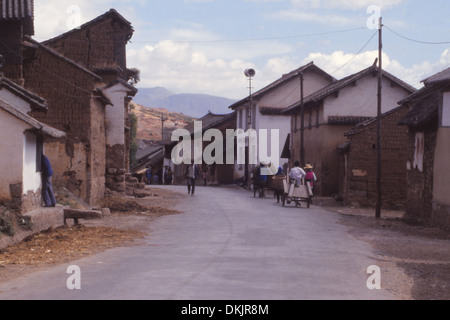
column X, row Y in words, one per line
column 308, row 166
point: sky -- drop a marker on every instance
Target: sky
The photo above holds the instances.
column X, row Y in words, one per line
column 204, row 46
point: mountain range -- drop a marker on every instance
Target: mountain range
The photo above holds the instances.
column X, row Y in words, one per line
column 193, row 105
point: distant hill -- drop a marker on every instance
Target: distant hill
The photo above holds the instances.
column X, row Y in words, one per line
column 194, row 105
column 150, row 125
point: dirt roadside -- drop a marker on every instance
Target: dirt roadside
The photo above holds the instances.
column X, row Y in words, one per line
column 414, row 259
column 126, row 225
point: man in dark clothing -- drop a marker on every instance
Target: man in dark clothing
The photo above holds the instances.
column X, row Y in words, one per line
column 192, row 174
column 47, row 187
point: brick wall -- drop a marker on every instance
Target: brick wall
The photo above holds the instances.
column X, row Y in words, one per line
column 79, row 159
column 102, row 45
column 362, row 163
column 11, row 49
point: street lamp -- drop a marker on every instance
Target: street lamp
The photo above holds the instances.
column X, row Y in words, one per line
column 250, row 74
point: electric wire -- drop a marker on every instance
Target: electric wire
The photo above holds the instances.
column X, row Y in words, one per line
column 413, row 40
column 357, row 54
column 230, row 40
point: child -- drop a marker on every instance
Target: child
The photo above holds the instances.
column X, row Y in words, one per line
column 310, row 175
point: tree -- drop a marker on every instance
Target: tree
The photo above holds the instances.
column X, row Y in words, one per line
column 133, row 129
column 133, row 76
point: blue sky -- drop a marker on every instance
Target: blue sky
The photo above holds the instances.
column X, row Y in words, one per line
column 204, row 46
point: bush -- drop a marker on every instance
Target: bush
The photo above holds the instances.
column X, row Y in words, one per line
column 6, row 223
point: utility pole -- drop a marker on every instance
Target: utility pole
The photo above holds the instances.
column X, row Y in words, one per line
column 163, row 119
column 380, row 87
column 302, row 122
column 162, row 126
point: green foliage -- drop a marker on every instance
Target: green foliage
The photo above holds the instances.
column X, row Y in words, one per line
column 134, row 76
column 6, row 224
column 134, row 145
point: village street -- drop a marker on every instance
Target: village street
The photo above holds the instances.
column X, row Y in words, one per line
column 226, row 246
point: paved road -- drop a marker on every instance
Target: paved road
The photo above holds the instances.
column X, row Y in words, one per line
column 227, row 246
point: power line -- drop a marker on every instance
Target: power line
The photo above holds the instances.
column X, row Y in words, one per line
column 357, row 54
column 413, row 40
column 49, row 72
column 231, row 40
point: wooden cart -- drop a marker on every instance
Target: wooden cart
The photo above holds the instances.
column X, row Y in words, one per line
column 291, row 193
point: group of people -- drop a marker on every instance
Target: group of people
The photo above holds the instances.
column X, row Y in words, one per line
column 298, row 174
column 193, row 173
column 159, row 176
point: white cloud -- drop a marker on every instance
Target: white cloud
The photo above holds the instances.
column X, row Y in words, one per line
column 309, row 16
column 55, row 17
column 181, row 68
column 337, row 63
column 344, row 4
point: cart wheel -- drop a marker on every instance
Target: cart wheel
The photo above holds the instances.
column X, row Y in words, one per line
column 298, row 204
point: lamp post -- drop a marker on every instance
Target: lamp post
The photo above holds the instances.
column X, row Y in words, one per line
column 250, row 74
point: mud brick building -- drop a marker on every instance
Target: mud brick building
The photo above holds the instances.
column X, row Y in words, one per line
column 219, row 172
column 428, row 152
column 100, row 46
column 16, row 21
column 82, row 75
column 359, row 166
column 334, row 110
column 20, row 163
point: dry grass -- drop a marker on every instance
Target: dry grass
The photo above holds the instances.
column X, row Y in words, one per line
column 65, row 244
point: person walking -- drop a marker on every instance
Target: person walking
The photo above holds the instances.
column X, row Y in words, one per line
column 148, row 175
column 192, row 174
column 310, row 175
column 169, row 176
column 47, row 185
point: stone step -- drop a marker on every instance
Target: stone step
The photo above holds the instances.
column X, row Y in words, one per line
column 76, row 215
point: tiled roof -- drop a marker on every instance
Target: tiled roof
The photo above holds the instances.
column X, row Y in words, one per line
column 16, row 9
column 347, row 120
column 423, row 111
column 282, row 80
column 439, row 77
column 31, row 121
column 211, row 120
column 35, row 101
column 339, row 85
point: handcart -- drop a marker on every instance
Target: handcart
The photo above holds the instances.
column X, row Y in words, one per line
column 296, row 194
